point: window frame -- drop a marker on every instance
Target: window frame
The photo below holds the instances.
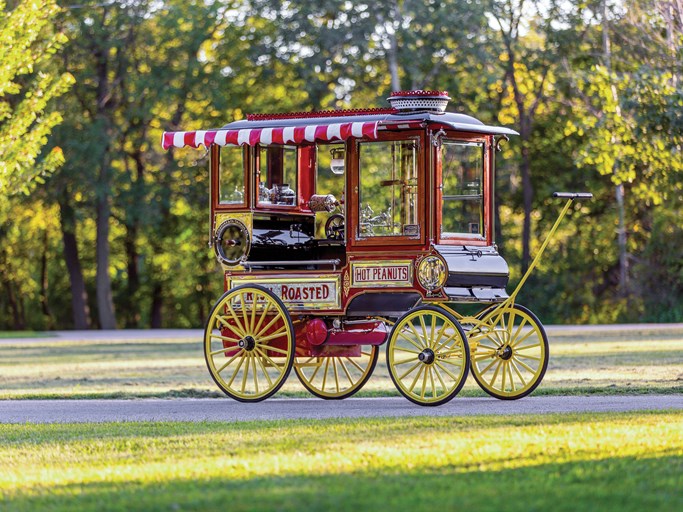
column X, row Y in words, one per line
column 486, row 191
column 215, row 181
column 353, row 199
column 256, row 166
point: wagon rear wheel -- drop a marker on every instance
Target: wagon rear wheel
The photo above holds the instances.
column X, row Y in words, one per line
column 249, row 343
column 511, row 355
column 334, row 378
column 428, row 356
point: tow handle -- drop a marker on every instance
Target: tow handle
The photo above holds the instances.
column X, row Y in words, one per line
column 573, row 195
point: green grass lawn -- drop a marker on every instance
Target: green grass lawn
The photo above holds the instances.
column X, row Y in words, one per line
column 621, row 462
column 580, row 363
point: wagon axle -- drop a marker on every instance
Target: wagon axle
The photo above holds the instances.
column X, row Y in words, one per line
column 426, row 356
column 247, row 343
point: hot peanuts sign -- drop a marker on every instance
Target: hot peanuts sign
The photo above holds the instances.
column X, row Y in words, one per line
column 382, row 273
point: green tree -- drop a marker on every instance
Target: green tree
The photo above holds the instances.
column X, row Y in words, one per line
column 29, row 86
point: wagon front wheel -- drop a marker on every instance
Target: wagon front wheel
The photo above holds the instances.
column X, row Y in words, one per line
column 334, row 378
column 428, row 356
column 511, row 354
column 249, row 343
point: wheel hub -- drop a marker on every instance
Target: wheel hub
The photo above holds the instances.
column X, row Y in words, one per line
column 505, row 352
column 247, row 343
column 426, row 356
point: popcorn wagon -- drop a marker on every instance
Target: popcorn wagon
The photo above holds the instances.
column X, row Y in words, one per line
column 342, row 231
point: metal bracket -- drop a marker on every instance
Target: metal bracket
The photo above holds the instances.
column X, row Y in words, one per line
column 436, row 138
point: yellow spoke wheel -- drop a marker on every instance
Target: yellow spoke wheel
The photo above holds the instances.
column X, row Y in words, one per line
column 249, row 343
column 428, row 356
column 511, row 356
column 334, row 378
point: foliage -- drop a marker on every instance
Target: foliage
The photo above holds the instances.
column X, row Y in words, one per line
column 131, row 220
column 28, row 89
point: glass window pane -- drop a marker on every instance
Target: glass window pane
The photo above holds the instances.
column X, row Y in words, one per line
column 388, row 189
column 462, row 209
column 327, row 181
column 231, row 171
column 277, row 175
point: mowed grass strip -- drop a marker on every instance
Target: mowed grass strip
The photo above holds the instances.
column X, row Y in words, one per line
column 630, row 461
column 581, row 362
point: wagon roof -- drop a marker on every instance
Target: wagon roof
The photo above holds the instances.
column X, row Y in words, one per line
column 384, row 117
column 324, row 126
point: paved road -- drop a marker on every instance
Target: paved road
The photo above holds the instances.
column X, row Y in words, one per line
column 192, row 409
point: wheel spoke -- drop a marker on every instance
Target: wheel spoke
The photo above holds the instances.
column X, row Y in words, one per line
column 238, row 325
column 479, row 357
column 273, row 336
column 246, row 372
column 438, row 376
column 446, row 371
column 431, row 381
column 505, row 371
column 336, row 375
column 519, row 330
column 244, row 310
column 495, row 373
column 265, row 372
column 526, row 336
column 519, row 374
column 275, row 318
column 264, row 315
column 420, row 338
column 533, row 358
column 317, row 368
column 225, row 338
column 272, row 363
column 410, row 370
column 401, row 349
column 424, row 382
column 327, row 367
column 354, row 363
column 346, row 371
column 400, row 333
column 230, row 361
column 412, row 386
column 239, row 365
column 524, row 365
column 253, row 367
column 440, row 333
column 444, row 343
column 274, row 349
column 489, row 366
column 527, row 347
column 406, row 361
column 223, row 350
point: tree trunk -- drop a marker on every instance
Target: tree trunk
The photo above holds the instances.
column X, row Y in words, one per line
column 105, row 302
column 79, row 295
column 527, row 200
column 132, row 316
column 155, row 315
column 44, row 305
column 18, row 323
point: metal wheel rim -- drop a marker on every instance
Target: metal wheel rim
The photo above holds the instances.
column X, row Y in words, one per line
column 257, row 370
column 336, row 377
column 514, row 373
column 437, row 381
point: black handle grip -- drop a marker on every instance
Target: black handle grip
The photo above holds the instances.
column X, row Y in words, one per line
column 573, row 195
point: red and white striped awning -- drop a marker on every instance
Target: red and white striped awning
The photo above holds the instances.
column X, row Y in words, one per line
column 286, row 135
